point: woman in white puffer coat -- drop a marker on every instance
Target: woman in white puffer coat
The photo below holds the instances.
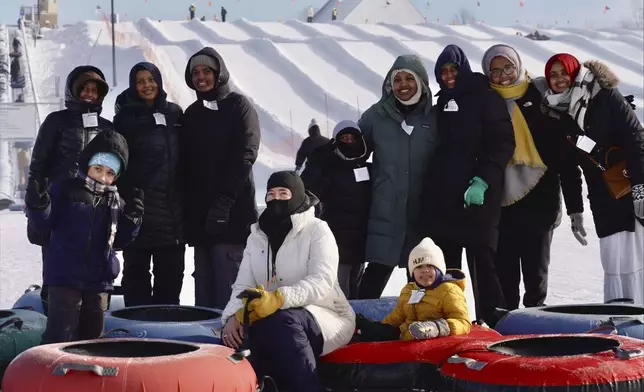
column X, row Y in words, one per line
column 291, row 259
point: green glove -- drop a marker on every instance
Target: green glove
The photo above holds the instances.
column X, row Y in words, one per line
column 475, row 194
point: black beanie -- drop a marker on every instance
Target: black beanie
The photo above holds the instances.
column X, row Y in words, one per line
column 289, row 179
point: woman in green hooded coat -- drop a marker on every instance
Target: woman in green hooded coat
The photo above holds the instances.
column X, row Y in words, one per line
column 400, row 130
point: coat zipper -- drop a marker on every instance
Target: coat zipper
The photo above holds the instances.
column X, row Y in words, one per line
column 95, row 202
column 170, row 185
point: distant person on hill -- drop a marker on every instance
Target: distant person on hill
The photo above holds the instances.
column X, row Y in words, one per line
column 466, row 179
column 220, row 140
column 334, row 14
column 64, row 134
column 224, row 12
column 151, row 125
column 309, row 15
column 313, row 141
column 192, row 9
column 400, row 130
column 339, row 175
column 608, row 141
column 541, row 167
column 87, row 221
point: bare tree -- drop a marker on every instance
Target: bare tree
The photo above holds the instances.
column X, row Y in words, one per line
column 465, row 16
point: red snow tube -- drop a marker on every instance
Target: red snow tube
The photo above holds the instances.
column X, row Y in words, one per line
column 542, row 363
column 128, row 365
column 396, row 365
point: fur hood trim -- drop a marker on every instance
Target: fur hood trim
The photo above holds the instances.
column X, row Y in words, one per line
column 604, row 76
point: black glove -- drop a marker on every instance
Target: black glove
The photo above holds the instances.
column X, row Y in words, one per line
column 369, row 330
column 217, row 218
column 134, row 203
column 36, row 196
column 630, row 99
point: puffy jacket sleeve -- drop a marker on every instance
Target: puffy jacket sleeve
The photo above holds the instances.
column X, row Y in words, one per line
column 498, row 142
column 366, row 126
column 127, row 230
column 302, row 152
column 313, row 174
column 322, row 271
column 42, row 220
column 630, row 134
column 397, row 315
column 244, row 148
column 455, row 311
column 245, row 280
column 43, row 154
column 570, row 178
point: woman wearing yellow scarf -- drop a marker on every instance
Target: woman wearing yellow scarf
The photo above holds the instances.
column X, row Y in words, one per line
column 531, row 203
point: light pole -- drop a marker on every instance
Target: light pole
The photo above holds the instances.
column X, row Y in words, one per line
column 112, row 17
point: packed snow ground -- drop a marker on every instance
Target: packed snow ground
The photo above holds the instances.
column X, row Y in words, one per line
column 294, row 71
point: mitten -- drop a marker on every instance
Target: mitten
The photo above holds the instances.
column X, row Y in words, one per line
column 475, row 194
column 429, row 329
column 217, row 218
column 36, row 196
column 577, row 227
column 368, row 330
column 134, row 204
column 638, row 200
column 630, row 99
column 268, row 303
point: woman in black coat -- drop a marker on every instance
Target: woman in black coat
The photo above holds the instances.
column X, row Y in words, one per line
column 339, row 175
column 596, row 118
column 150, row 125
column 531, row 204
column 465, row 184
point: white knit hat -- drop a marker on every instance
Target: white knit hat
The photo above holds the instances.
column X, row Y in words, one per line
column 426, row 253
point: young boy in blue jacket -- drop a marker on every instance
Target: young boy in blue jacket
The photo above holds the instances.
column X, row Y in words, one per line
column 88, row 221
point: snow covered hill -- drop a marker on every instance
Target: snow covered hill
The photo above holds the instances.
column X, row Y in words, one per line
column 294, row 71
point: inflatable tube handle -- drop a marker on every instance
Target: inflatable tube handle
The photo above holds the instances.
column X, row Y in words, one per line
column 469, row 362
column 100, row 371
column 31, row 288
column 620, row 301
column 106, row 333
column 15, row 321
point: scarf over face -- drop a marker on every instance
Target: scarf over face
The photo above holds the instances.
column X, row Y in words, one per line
column 526, row 167
column 113, row 201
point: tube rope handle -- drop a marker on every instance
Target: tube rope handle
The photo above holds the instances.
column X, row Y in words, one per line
column 15, row 321
column 63, row 368
column 111, row 331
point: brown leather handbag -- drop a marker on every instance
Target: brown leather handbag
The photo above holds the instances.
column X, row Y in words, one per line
column 616, row 175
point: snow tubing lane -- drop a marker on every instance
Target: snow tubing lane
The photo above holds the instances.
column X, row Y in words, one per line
column 396, row 365
column 20, row 330
column 547, row 363
column 128, row 365
column 622, row 319
column 175, row 322
column 31, row 299
column 376, row 309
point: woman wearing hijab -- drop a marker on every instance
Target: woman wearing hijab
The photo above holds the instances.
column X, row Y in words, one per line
column 465, row 185
column 609, row 141
column 531, row 202
column 400, row 130
column 292, row 258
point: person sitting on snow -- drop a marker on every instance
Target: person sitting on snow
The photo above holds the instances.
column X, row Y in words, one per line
column 88, row 222
column 431, row 306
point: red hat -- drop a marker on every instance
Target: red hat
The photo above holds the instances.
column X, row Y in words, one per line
column 569, row 62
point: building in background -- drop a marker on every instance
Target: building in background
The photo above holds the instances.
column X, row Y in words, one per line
column 370, row 11
column 48, row 13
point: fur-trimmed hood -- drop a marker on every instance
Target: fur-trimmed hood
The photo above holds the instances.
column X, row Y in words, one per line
column 604, row 76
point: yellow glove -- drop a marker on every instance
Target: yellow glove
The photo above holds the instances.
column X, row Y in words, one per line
column 269, row 302
column 239, row 315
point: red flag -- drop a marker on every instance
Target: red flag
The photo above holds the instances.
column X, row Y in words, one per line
column 521, row 3
column 606, row 9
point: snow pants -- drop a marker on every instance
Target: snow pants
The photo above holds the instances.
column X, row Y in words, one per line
column 74, row 315
column 216, row 269
column 519, row 251
column 168, row 265
column 622, row 256
column 286, row 346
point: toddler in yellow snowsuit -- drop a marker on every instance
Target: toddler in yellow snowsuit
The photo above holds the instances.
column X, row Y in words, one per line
column 434, row 304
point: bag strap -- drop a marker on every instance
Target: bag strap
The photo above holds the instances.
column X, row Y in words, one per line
column 590, row 157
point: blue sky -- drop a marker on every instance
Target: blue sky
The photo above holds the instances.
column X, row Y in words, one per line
column 499, row 12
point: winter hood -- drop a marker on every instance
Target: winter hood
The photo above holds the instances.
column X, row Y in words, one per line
column 345, row 126
column 130, row 97
column 106, row 141
column 452, row 54
column 221, row 89
column 412, row 63
column 604, row 76
column 91, row 73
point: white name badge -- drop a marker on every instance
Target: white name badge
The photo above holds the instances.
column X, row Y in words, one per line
column 361, row 174
column 212, row 105
column 159, row 118
column 451, row 106
column 416, row 296
column 585, row 143
column 407, row 128
column 90, row 120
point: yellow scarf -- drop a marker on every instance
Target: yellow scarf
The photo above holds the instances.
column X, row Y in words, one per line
column 525, row 168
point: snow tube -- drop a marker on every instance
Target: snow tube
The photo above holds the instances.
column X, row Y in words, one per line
column 531, row 363
column 175, row 322
column 620, row 318
column 19, row 330
column 375, row 309
column 128, row 365
column 395, row 365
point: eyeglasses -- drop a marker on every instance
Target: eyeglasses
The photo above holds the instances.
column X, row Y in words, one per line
column 508, row 70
